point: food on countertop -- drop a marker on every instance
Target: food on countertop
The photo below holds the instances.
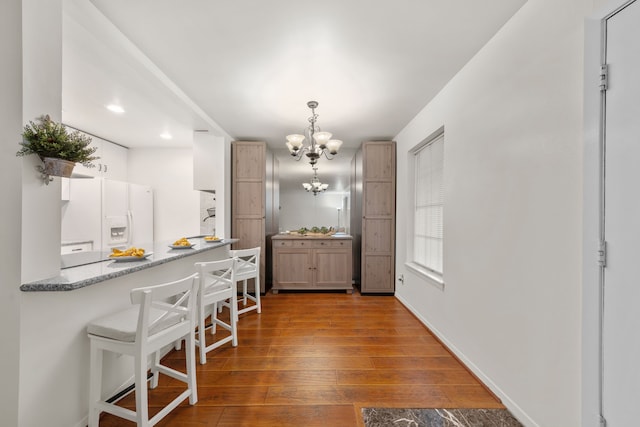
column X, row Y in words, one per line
column 211, row 238
column 182, row 242
column 314, row 231
column 133, row 251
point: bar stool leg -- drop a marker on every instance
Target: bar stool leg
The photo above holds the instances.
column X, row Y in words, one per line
column 95, row 375
column 142, row 410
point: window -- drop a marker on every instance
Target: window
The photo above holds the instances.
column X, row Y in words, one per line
column 428, row 206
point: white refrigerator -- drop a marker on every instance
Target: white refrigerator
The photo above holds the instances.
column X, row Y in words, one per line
column 108, row 214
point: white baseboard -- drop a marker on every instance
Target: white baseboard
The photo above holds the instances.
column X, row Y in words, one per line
column 506, row 401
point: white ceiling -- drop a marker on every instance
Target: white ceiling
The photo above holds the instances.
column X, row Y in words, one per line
column 246, row 69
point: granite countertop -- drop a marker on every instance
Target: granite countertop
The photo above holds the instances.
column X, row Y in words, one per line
column 88, row 274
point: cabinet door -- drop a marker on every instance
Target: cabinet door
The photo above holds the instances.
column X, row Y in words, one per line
column 208, row 161
column 332, row 268
column 293, row 269
column 248, row 198
column 378, row 217
column 113, row 161
column 377, row 274
column 81, row 170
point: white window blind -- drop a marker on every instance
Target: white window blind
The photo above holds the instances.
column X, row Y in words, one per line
column 429, row 204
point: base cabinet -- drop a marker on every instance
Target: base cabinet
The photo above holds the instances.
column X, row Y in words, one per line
column 312, row 263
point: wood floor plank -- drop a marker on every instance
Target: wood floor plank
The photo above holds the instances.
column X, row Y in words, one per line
column 257, row 377
column 294, row 363
column 183, row 416
column 336, row 351
column 414, row 362
column 362, row 340
column 345, row 332
column 470, row 396
column 399, row 377
column 274, row 340
column 416, row 396
column 283, row 415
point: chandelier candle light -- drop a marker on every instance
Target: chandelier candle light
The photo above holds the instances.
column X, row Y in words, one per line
column 315, row 186
column 320, row 143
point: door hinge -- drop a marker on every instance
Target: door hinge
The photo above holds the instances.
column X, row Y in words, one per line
column 602, row 254
column 604, row 77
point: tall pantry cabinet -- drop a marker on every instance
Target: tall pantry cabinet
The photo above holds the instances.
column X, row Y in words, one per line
column 248, row 197
column 254, row 201
column 373, row 198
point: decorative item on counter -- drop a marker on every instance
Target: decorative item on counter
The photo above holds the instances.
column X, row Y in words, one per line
column 58, row 148
column 315, row 231
column 181, row 243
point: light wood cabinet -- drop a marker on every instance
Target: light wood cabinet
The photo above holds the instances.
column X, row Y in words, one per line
column 375, row 225
column 311, row 263
column 248, row 195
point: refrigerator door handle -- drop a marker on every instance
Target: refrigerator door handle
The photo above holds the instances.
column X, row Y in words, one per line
column 129, row 227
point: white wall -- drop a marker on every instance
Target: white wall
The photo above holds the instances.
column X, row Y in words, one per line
column 513, row 202
column 10, row 193
column 176, row 204
column 42, row 94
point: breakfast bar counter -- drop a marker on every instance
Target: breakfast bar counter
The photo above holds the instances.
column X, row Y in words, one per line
column 60, row 347
column 96, row 267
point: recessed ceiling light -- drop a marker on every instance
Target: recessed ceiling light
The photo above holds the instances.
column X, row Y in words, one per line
column 115, row 108
column 165, row 135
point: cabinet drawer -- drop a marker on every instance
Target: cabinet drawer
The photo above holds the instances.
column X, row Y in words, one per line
column 340, row 243
column 292, row 244
column 332, row 244
column 76, row 247
column 321, row 243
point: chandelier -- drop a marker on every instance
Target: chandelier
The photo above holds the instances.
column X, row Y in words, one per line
column 320, row 143
column 315, row 186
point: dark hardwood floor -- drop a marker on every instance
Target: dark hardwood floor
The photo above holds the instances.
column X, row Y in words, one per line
column 315, row 359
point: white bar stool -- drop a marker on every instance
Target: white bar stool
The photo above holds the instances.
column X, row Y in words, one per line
column 217, row 284
column 144, row 329
column 248, row 267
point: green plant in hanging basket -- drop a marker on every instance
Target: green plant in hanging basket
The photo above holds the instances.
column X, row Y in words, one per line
column 47, row 138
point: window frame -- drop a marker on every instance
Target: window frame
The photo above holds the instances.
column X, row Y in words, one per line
column 433, row 277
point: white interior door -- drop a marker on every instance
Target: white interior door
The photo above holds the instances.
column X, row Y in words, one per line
column 621, row 329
